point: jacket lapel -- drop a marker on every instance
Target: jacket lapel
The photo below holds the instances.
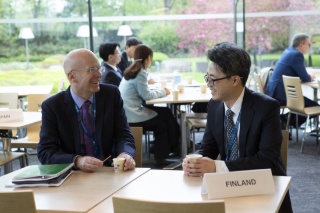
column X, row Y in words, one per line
column 245, row 121
column 219, row 127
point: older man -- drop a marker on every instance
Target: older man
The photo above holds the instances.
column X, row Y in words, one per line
column 242, row 126
column 291, row 63
column 86, row 123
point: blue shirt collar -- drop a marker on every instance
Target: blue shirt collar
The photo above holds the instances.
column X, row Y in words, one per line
column 78, row 100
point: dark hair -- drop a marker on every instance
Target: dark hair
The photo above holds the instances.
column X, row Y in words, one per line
column 298, row 39
column 107, row 48
column 231, row 60
column 133, row 41
column 141, row 53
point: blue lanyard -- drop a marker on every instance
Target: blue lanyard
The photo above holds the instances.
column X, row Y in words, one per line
column 233, row 135
column 96, row 148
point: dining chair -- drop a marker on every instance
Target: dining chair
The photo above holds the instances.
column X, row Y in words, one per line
column 295, row 104
column 284, row 148
column 32, row 138
column 129, row 205
column 17, row 201
column 195, row 121
column 137, row 135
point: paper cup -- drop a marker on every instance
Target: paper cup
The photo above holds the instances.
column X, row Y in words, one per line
column 189, row 79
column 181, row 88
column 175, row 94
column 203, row 88
column 195, row 156
column 118, row 164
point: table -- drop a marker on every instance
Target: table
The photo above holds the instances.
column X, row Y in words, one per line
column 174, row 186
column 26, row 90
column 29, row 118
column 80, row 192
column 190, row 95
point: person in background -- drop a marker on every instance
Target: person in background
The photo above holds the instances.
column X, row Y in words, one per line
column 291, row 63
column 134, row 91
column 243, row 126
column 86, row 123
column 128, row 53
column 110, row 54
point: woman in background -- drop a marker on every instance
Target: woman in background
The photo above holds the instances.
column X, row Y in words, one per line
column 134, row 91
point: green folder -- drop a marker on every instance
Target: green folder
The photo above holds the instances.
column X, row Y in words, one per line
column 52, row 173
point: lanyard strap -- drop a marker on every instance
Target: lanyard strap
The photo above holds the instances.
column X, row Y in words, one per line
column 233, row 135
column 96, row 148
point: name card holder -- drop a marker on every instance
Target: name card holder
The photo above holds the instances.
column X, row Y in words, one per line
column 11, row 115
column 236, row 184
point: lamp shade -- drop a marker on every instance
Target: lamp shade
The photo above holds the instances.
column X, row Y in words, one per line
column 124, row 30
column 83, row 31
column 26, row 33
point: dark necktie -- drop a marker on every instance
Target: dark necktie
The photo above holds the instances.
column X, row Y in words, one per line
column 229, row 129
column 87, row 121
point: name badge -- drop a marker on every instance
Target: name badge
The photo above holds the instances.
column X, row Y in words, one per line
column 11, row 115
column 236, row 184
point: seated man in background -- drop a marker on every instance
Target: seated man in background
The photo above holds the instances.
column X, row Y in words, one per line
column 110, row 53
column 242, row 126
column 128, row 53
column 86, row 123
column 291, row 63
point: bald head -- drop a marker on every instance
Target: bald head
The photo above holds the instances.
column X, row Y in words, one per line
column 78, row 59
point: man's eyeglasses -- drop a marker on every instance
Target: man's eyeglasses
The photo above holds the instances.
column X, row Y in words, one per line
column 211, row 81
column 94, row 70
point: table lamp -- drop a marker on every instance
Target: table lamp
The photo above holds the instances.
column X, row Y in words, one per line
column 26, row 33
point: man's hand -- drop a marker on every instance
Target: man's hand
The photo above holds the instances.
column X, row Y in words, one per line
column 88, row 163
column 196, row 167
column 129, row 163
column 151, row 81
column 167, row 91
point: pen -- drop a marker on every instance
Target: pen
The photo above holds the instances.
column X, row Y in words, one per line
column 106, row 159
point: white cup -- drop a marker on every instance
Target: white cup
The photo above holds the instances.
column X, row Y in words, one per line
column 181, row 88
column 203, row 88
column 118, row 164
column 175, row 94
column 195, row 156
column 189, row 79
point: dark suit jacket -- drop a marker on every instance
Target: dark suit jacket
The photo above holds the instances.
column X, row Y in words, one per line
column 291, row 63
column 110, row 76
column 260, row 136
column 60, row 130
column 124, row 63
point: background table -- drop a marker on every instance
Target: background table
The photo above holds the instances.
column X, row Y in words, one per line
column 174, row 186
column 80, row 192
column 190, row 95
column 29, row 118
column 26, row 90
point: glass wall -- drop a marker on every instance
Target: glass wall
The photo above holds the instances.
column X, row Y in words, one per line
column 176, row 29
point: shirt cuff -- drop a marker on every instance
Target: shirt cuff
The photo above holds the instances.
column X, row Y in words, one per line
column 221, row 166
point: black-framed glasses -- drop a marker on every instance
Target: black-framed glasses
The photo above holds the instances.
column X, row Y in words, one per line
column 94, row 70
column 211, row 80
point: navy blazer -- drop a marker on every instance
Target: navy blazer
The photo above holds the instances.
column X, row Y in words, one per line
column 291, row 63
column 110, row 76
column 60, row 130
column 260, row 135
column 124, row 63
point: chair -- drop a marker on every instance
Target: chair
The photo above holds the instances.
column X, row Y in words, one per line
column 17, row 201
column 284, row 148
column 195, row 121
column 137, row 135
column 32, row 138
column 61, row 85
column 129, row 205
column 295, row 103
column 259, row 84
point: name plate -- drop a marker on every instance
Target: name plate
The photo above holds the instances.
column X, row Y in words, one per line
column 236, row 184
column 11, row 115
